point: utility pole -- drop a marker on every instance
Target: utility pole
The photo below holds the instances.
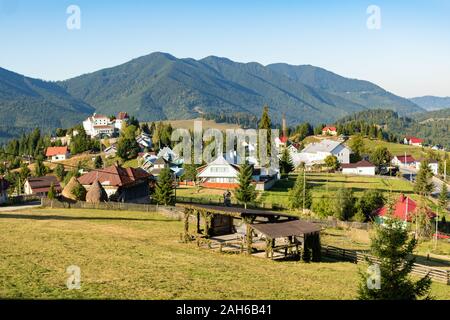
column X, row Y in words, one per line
column 304, row 190
column 437, row 230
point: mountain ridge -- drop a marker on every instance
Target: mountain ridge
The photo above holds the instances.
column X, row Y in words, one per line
column 160, row 86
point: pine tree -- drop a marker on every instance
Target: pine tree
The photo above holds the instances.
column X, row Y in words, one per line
column 60, row 172
column 300, row 195
column 246, row 191
column 392, row 247
column 98, row 162
column 424, row 184
column 266, row 124
column 164, row 188
column 51, row 192
column 286, row 165
column 40, row 169
column 443, row 197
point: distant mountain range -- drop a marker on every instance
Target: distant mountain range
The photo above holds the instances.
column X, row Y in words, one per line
column 159, row 87
column 432, row 103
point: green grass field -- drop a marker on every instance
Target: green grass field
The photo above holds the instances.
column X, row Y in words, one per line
column 399, row 149
column 327, row 184
column 130, row 255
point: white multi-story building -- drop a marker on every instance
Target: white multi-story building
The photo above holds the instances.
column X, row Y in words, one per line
column 99, row 124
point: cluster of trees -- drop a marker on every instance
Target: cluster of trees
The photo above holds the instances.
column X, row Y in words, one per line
column 343, row 205
column 127, row 146
column 32, row 145
column 81, row 142
column 161, row 134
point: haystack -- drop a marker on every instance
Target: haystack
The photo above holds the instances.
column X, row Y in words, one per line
column 67, row 193
column 96, row 193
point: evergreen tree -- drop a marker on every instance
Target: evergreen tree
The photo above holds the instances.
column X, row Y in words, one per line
column 266, row 124
column 51, row 192
column 164, row 188
column 424, row 184
column 391, row 246
column 127, row 146
column 98, row 162
column 40, row 169
column 300, row 195
column 286, row 165
column 246, row 191
column 60, row 172
column 443, row 197
column 79, row 192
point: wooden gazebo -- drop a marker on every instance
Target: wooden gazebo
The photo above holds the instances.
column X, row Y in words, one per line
column 211, row 221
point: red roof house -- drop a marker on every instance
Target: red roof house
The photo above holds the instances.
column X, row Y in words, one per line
column 404, row 209
column 57, row 153
column 121, row 184
column 329, row 130
column 413, row 141
column 403, row 160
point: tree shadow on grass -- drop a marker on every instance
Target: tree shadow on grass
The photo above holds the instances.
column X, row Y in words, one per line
column 68, row 218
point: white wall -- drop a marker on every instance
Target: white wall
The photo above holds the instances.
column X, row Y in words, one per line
column 363, row 171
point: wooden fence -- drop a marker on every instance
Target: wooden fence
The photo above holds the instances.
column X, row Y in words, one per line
column 436, row 274
column 22, row 199
column 171, row 212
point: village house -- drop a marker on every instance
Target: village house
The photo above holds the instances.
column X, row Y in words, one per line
column 329, row 131
column 219, row 174
column 433, row 164
column 364, row 168
column 222, row 174
column 404, row 161
column 281, row 143
column 121, row 184
column 413, row 141
column 404, row 210
column 57, row 153
column 4, row 185
column 315, row 153
column 40, row 186
column 144, row 141
column 110, row 152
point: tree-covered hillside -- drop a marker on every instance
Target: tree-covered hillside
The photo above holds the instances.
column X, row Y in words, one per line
column 160, row 86
column 433, row 127
column 27, row 103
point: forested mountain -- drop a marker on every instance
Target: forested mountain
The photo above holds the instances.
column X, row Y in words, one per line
column 433, row 130
column 431, row 103
column 160, row 86
column 27, row 103
column 361, row 92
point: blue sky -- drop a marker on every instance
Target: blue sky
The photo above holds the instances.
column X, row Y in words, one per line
column 409, row 55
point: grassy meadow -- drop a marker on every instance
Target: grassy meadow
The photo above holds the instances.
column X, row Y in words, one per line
column 131, row 255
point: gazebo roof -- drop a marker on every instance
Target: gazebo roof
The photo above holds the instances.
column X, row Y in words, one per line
column 286, row 229
column 236, row 211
